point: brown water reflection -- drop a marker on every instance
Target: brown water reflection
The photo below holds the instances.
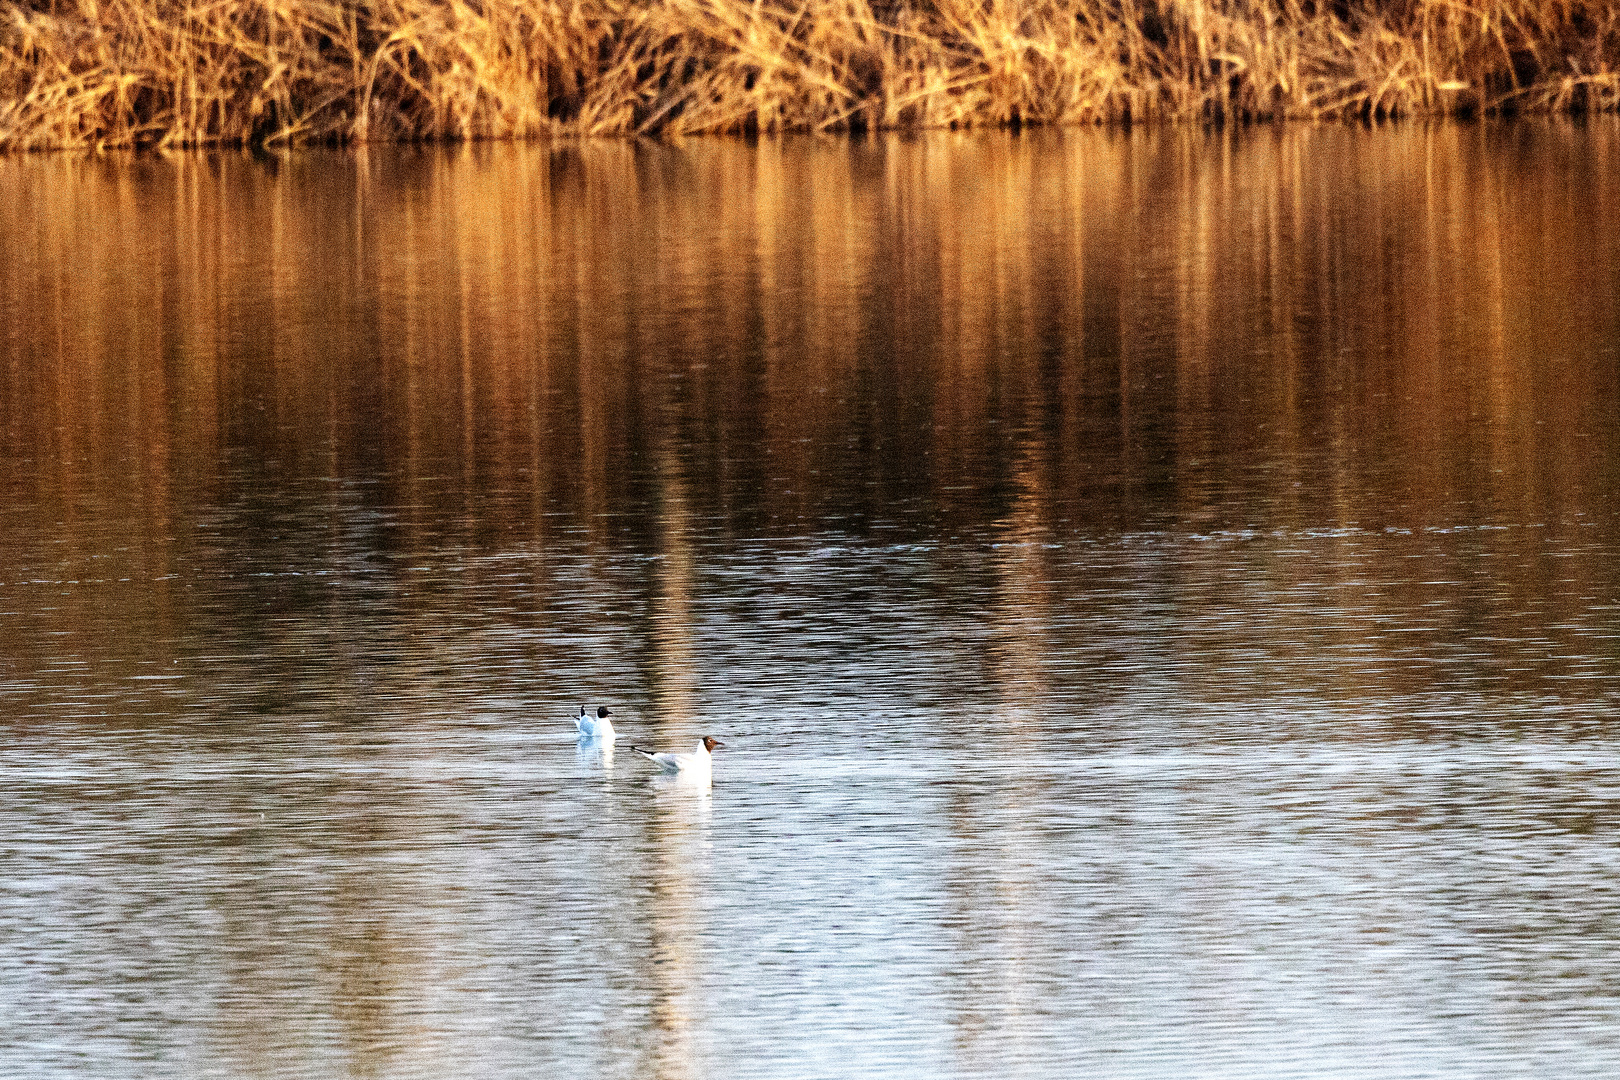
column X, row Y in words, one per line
column 1294, row 329
column 846, row 332
column 1159, row 589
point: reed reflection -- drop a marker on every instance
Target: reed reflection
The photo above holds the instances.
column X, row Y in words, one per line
column 683, row 290
column 659, row 345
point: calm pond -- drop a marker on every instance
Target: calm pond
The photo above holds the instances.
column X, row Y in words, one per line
column 1159, row 591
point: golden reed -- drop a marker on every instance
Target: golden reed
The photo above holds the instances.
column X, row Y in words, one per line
column 79, row 73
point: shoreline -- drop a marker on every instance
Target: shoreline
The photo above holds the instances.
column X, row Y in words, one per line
column 77, row 74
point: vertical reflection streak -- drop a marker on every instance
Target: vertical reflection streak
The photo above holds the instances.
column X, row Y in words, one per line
column 679, row 831
column 673, row 685
column 680, row 879
column 996, row 887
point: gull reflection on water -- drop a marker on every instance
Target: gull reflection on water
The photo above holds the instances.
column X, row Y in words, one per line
column 591, row 752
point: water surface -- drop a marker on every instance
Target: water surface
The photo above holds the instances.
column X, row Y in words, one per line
column 1160, row 591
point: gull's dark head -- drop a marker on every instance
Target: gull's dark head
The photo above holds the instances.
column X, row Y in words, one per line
column 710, row 742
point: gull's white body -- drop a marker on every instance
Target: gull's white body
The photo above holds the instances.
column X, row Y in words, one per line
column 597, row 727
column 698, row 765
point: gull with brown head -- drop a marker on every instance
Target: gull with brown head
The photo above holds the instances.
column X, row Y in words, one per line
column 698, row 765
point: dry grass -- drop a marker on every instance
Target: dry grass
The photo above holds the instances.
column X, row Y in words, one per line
column 79, row 73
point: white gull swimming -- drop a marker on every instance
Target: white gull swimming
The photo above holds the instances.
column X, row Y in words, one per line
column 698, row 765
column 595, row 727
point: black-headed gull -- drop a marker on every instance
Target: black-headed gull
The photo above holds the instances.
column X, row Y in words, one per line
column 595, row 727
column 697, row 765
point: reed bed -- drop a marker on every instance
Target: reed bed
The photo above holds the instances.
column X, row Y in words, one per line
column 84, row 73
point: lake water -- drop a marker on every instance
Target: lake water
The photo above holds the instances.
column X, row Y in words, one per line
column 1159, row 590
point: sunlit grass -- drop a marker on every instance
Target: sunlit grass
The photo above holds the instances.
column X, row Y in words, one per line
column 184, row 72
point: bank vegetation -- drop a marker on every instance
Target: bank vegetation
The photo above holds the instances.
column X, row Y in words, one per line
column 83, row 73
